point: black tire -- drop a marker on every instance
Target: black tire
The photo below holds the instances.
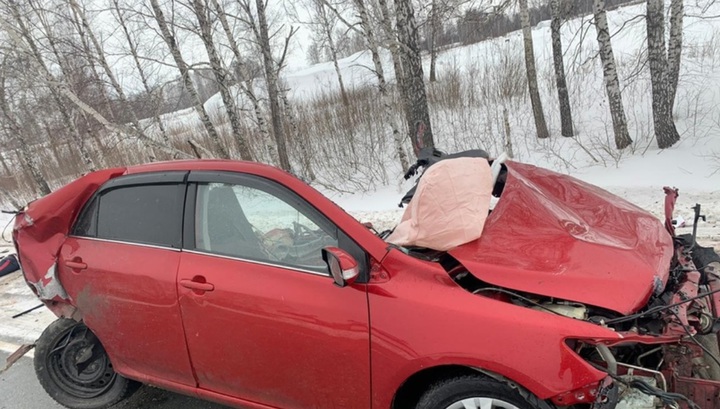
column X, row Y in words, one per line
column 444, row 394
column 74, row 369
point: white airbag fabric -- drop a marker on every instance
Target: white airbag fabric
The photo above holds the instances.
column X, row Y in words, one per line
column 449, row 207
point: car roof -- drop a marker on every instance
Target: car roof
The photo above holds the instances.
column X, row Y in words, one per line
column 205, row 164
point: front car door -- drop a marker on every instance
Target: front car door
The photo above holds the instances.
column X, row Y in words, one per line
column 263, row 320
column 119, row 265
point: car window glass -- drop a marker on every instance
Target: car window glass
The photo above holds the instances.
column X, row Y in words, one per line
column 86, row 224
column 150, row 214
column 254, row 224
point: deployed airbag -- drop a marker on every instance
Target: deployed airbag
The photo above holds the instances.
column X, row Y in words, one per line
column 449, row 207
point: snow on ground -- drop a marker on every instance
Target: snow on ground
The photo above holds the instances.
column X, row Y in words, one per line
column 637, row 174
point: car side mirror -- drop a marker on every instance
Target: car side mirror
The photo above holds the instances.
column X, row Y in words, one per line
column 344, row 269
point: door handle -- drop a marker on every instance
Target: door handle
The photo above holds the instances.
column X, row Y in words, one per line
column 196, row 285
column 76, row 264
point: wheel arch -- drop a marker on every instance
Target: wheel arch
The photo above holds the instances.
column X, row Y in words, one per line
column 410, row 391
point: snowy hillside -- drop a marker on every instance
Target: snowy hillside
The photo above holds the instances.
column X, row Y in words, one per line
column 693, row 165
column 350, row 148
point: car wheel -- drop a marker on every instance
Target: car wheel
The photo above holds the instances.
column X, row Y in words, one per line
column 74, row 369
column 476, row 392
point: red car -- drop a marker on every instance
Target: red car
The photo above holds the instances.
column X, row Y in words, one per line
column 238, row 283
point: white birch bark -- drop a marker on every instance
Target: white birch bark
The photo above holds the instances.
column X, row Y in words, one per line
column 221, row 78
column 612, row 82
column 141, row 71
column 666, row 133
column 538, row 114
column 566, row 123
column 245, row 81
column 385, row 96
column 24, row 40
column 187, row 80
column 271, row 80
column 675, row 48
column 421, row 131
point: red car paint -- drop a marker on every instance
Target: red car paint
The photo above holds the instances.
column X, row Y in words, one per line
column 262, row 336
column 554, row 235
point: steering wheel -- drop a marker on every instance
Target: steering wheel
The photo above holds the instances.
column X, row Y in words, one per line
column 303, row 233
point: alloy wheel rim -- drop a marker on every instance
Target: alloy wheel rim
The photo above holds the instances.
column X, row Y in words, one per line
column 481, row 403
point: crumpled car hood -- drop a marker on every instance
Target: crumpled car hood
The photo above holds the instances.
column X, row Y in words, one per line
column 42, row 226
column 553, row 235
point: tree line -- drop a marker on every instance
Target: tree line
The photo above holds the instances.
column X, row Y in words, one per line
column 65, row 96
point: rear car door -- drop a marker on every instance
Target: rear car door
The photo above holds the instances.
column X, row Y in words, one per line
column 119, row 265
column 264, row 321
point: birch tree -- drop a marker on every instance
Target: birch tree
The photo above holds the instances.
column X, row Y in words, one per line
column 538, row 114
column 326, row 25
column 665, row 132
column 14, row 130
column 133, row 48
column 612, row 82
column 421, row 130
column 184, row 69
column 23, row 39
column 245, row 80
column 388, row 110
column 367, row 31
column 395, row 51
column 257, row 22
column 100, row 55
column 271, row 79
column 221, row 77
column 434, row 23
column 559, row 65
column 675, row 48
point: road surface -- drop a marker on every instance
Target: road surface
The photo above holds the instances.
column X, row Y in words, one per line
column 19, row 389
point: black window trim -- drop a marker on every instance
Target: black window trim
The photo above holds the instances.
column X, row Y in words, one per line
column 146, row 179
column 190, row 179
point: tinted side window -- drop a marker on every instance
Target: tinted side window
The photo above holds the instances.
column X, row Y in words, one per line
column 150, row 214
column 86, row 224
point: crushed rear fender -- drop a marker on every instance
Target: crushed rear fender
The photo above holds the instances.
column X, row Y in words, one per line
column 41, row 227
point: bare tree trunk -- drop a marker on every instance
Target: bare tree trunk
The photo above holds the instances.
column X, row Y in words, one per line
column 421, row 131
column 272, row 85
column 396, row 52
column 141, row 71
column 508, row 137
column 612, row 82
column 221, row 78
column 62, row 63
column 245, row 80
column 675, row 48
column 563, row 97
column 100, row 55
column 91, row 60
column 540, row 124
column 306, row 159
column 665, row 131
column 327, row 28
column 55, row 89
column 187, row 81
column 28, row 159
column 433, row 37
column 382, row 84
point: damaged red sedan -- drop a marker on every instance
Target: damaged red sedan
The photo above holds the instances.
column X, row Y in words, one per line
column 238, row 283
